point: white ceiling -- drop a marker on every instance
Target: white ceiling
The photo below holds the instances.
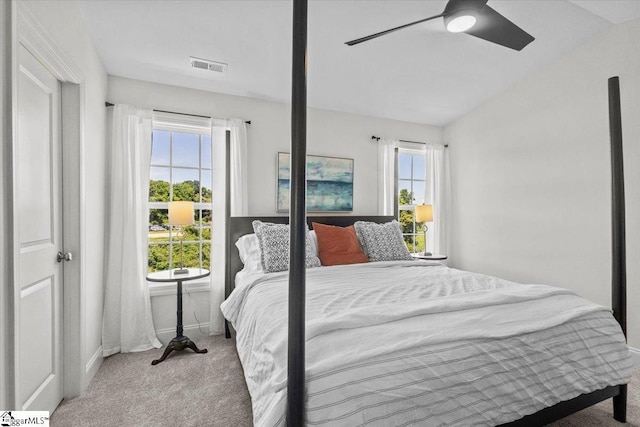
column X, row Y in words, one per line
column 420, row 74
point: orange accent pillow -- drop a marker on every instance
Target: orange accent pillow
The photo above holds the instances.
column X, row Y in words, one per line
column 338, row 245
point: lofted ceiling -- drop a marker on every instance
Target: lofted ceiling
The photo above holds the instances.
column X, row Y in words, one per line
column 421, row 74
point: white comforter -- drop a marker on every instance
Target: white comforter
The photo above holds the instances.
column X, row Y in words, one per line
column 387, row 341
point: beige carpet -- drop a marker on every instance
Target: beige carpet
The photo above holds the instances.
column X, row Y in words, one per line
column 191, row 389
column 187, row 389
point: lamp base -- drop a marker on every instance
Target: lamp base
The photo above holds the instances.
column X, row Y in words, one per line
column 425, row 253
column 181, row 271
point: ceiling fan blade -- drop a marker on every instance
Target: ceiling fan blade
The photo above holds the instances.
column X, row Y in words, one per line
column 382, row 33
column 493, row 27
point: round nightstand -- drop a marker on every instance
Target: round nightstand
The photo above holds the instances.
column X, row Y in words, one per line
column 180, row 342
column 434, row 257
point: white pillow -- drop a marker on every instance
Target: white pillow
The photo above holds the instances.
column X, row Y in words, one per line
column 249, row 251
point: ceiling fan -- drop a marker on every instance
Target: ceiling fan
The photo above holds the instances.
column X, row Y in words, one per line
column 473, row 17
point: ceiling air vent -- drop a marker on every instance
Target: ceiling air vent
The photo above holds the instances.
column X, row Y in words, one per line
column 205, row 64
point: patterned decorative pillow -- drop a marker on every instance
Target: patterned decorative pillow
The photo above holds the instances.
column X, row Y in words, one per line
column 274, row 247
column 382, row 242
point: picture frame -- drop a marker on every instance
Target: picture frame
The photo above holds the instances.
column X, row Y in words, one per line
column 329, row 183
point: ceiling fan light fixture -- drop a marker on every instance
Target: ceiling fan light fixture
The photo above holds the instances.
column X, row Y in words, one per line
column 460, row 21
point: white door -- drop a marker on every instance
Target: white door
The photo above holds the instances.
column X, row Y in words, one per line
column 38, row 201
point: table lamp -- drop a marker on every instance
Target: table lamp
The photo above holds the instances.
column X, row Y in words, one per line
column 181, row 214
column 424, row 213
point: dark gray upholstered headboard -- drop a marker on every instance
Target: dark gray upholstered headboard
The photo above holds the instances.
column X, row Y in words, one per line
column 241, row 225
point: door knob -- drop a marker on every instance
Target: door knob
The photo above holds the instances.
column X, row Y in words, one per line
column 64, row 257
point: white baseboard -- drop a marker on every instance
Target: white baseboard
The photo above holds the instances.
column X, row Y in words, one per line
column 635, row 356
column 192, row 331
column 92, row 367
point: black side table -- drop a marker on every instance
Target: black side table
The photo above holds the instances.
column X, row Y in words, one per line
column 180, row 342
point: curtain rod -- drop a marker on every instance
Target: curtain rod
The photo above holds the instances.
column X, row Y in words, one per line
column 377, row 138
column 109, row 104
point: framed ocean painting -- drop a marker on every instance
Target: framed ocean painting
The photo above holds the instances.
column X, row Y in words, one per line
column 329, row 184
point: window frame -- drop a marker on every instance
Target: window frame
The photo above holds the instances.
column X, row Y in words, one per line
column 173, row 123
column 416, row 229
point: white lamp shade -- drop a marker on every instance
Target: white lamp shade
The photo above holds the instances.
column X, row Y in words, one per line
column 424, row 213
column 181, row 213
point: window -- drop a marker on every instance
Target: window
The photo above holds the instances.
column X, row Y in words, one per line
column 180, row 170
column 412, row 173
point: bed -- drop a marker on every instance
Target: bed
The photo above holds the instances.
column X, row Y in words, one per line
column 299, row 398
column 417, row 343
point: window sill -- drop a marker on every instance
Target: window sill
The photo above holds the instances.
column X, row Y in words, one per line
column 169, row 288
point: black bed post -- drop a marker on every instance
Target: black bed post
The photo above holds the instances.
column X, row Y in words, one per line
column 297, row 219
column 618, row 249
column 227, row 207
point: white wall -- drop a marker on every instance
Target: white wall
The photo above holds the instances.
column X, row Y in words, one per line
column 329, row 133
column 195, row 310
column 531, row 175
column 61, row 20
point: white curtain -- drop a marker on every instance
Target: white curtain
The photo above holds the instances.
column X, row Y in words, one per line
column 238, row 199
column 386, row 176
column 435, row 194
column 238, row 172
column 127, row 321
